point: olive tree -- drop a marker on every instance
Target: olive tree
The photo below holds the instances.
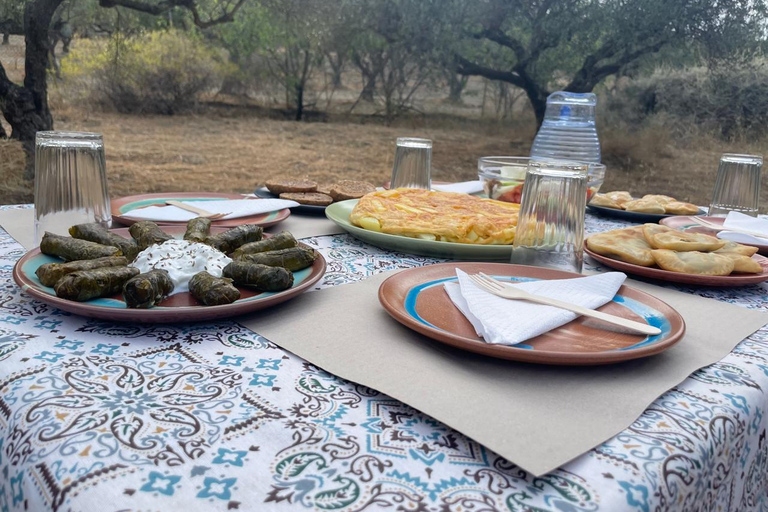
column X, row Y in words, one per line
column 25, row 106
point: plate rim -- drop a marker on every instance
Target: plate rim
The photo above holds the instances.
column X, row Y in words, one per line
column 487, row 252
column 677, row 323
column 679, row 277
column 665, row 222
column 127, row 220
column 166, row 315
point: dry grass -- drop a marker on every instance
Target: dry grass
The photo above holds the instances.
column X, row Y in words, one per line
column 235, row 148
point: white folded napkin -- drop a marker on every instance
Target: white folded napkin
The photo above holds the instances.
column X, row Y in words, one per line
column 738, row 220
column 465, row 187
column 235, row 207
column 509, row 322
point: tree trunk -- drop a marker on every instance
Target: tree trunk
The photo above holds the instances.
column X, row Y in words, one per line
column 7, row 38
column 299, row 102
column 369, row 88
column 26, row 108
column 456, row 85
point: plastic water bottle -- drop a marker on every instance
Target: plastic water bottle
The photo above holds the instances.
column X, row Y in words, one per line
column 568, row 131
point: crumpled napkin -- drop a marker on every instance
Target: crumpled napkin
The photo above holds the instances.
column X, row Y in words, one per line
column 738, row 220
column 235, row 207
column 509, row 322
column 465, row 187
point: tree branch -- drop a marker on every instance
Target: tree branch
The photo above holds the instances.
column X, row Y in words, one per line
column 590, row 75
column 167, row 5
column 466, row 67
column 499, row 37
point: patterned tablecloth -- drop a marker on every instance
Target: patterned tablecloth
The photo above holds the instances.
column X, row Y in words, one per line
column 210, row 416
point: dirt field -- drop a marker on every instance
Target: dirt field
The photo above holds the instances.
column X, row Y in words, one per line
column 235, row 149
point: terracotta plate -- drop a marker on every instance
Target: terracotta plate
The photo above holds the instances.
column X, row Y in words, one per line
column 684, row 223
column 304, row 208
column 678, row 277
column 631, row 216
column 416, row 299
column 181, row 307
column 121, row 208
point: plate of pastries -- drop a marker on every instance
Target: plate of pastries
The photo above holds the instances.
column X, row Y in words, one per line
column 314, row 197
column 660, row 252
column 649, row 208
column 151, row 273
column 431, row 223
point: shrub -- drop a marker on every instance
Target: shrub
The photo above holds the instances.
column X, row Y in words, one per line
column 730, row 103
column 155, row 72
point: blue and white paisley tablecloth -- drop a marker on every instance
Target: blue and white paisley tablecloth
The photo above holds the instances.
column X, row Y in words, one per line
column 210, row 416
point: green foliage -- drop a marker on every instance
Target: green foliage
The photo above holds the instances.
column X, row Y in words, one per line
column 161, row 72
column 730, row 104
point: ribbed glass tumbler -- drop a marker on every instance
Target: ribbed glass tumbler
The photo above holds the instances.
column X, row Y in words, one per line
column 550, row 227
column 70, row 182
column 737, row 185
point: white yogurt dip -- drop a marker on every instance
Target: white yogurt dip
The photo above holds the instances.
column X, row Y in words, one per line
column 182, row 260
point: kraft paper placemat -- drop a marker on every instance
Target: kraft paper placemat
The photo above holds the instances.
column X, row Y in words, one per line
column 20, row 225
column 537, row 416
column 305, row 226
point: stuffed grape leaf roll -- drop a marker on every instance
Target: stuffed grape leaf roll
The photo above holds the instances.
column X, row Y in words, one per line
column 282, row 240
column 146, row 290
column 198, row 229
column 147, row 233
column 261, row 277
column 212, row 290
column 293, row 259
column 50, row 273
column 233, row 238
column 95, row 232
column 89, row 284
column 73, row 249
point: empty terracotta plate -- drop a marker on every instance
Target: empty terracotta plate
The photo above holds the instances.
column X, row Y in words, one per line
column 180, row 307
column 121, row 209
column 416, row 298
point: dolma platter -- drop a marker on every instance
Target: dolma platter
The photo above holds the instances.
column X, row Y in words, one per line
column 181, row 307
column 122, row 207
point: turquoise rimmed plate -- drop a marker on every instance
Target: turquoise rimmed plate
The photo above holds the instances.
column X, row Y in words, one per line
column 121, row 209
column 181, row 307
column 416, row 299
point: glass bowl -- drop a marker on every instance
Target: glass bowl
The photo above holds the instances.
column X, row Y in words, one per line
column 503, row 177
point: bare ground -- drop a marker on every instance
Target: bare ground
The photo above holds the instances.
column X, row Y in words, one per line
column 226, row 148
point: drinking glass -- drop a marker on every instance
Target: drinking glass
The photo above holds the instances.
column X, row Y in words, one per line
column 70, row 182
column 550, row 227
column 737, row 186
column 413, row 162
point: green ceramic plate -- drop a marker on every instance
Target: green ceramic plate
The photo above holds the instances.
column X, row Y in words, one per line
column 339, row 213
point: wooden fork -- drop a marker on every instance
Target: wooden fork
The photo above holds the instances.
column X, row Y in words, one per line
column 194, row 209
column 510, row 292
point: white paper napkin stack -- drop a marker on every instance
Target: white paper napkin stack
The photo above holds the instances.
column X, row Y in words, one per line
column 509, row 322
column 465, row 187
column 737, row 220
column 235, row 207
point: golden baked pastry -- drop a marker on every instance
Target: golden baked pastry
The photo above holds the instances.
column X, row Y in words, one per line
column 434, row 215
column 604, row 201
column 626, row 244
column 682, row 241
column 644, row 206
column 659, row 198
column 619, row 196
column 681, row 208
column 733, row 247
column 693, row 262
column 742, row 263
